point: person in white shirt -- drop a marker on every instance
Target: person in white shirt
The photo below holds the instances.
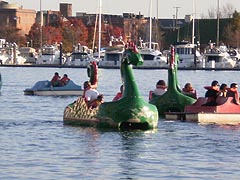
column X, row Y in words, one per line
column 89, row 93
column 161, row 88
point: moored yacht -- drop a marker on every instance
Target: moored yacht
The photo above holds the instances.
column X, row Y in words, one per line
column 151, row 55
column 113, row 53
column 29, row 54
column 189, row 55
column 81, row 56
column 49, row 54
column 218, row 57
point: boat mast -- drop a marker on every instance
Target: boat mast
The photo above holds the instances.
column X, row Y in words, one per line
column 95, row 29
column 193, row 23
column 217, row 43
column 41, row 24
column 150, row 26
column 99, row 28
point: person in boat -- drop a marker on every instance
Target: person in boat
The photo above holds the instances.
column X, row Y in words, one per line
column 64, row 80
column 56, row 80
column 119, row 94
column 95, row 103
column 233, row 92
column 160, row 89
column 189, row 90
column 90, row 94
column 212, row 93
column 223, row 90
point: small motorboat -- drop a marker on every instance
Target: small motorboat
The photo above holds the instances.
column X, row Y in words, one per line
column 225, row 112
column 44, row 88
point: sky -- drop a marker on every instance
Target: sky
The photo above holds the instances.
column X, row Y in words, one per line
column 165, row 8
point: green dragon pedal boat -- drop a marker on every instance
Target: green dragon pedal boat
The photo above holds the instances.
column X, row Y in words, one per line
column 131, row 112
column 173, row 100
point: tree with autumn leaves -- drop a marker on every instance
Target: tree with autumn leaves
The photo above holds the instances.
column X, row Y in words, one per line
column 71, row 33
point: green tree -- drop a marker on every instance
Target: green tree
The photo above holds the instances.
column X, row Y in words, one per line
column 232, row 31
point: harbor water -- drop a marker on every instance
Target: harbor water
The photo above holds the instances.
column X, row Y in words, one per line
column 35, row 145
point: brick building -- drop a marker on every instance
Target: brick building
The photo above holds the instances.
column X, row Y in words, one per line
column 12, row 15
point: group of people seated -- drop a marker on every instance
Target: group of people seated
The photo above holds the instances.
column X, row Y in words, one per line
column 57, row 81
column 215, row 90
column 161, row 88
column 93, row 98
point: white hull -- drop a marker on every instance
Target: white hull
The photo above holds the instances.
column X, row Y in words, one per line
column 57, row 93
column 206, row 118
column 186, row 53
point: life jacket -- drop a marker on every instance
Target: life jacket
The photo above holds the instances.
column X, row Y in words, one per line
column 64, row 80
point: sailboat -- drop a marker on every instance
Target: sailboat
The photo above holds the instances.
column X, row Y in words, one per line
column 217, row 56
column 149, row 51
column 111, row 55
column 189, row 55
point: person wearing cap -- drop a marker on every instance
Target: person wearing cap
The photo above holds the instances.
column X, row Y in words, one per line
column 233, row 92
column 212, row 93
column 189, row 91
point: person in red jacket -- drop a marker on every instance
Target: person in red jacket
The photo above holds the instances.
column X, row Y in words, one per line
column 56, row 80
column 119, row 94
column 64, row 80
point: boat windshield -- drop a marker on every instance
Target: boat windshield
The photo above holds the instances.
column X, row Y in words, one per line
column 184, row 50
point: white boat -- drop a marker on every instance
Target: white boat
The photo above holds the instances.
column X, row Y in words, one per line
column 4, row 57
column 218, row 57
column 10, row 54
column 150, row 51
column 113, row 53
column 29, row 54
column 49, row 54
column 188, row 53
column 81, row 56
column 189, row 56
column 151, row 55
column 235, row 55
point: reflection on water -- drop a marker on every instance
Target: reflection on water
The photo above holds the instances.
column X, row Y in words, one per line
column 36, row 145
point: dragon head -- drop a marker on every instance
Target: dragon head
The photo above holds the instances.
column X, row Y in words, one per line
column 131, row 54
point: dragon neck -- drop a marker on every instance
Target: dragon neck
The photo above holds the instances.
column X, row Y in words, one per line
column 172, row 80
column 130, row 86
column 172, row 72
